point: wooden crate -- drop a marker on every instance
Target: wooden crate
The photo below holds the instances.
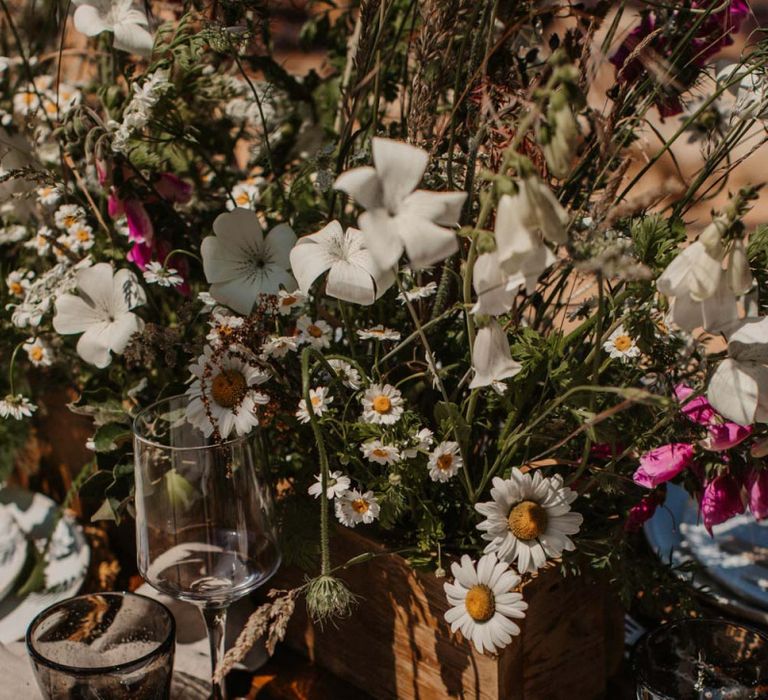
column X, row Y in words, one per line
column 397, row 644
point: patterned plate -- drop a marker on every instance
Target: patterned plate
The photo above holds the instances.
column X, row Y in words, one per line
column 67, row 559
column 13, row 550
column 734, row 563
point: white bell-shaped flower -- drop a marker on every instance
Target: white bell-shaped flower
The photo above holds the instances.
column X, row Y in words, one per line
column 121, row 17
column 491, row 357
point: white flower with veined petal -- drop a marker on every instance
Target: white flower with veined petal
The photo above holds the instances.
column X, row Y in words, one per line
column 382, row 405
column 102, row 313
column 492, row 358
column 353, row 274
column 241, row 263
column 445, row 461
column 320, row 402
column 338, row 485
column 398, row 216
column 529, row 519
column 355, row 507
column 377, row 451
column 482, row 602
column 121, row 17
column 224, row 386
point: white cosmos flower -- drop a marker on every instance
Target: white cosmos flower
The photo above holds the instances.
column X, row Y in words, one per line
column 224, row 386
column 102, row 312
column 523, row 222
column 738, row 389
column 482, row 602
column 348, row 375
column 353, row 275
column 338, row 485
column 378, row 333
column 492, row 358
column 382, row 405
column 16, row 407
column 315, row 333
column 420, row 442
column 354, row 507
column 320, row 402
column 529, row 519
column 621, row 346
column 280, row 346
column 121, row 17
column 288, row 301
column 241, row 263
column 445, row 461
column 38, row 352
column 415, row 293
column 398, row 218
column 377, row 451
column 156, row 273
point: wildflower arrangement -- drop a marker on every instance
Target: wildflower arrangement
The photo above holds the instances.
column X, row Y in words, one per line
column 432, row 276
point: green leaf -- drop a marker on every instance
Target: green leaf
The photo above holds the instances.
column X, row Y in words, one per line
column 449, row 417
column 107, row 511
column 108, row 437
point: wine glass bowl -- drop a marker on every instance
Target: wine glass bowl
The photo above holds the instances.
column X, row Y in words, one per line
column 204, row 516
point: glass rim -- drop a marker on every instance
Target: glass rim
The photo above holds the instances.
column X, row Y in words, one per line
column 138, row 436
column 162, row 647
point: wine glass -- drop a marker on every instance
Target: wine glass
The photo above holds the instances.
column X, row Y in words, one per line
column 204, row 518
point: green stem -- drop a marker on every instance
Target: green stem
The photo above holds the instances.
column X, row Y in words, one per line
column 10, row 367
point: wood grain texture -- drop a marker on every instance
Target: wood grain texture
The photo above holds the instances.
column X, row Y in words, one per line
column 397, row 644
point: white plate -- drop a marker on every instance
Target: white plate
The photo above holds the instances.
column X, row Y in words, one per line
column 733, row 564
column 67, row 559
column 13, row 550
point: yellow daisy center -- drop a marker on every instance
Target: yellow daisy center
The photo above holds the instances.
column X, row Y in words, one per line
column 16, row 288
column 379, row 452
column 316, row 400
column 480, row 603
column 381, row 404
column 445, row 461
column 360, row 505
column 83, row 235
column 70, row 221
column 288, row 300
column 623, row 343
column 242, row 198
column 28, row 98
column 228, row 388
column 315, row 331
column 527, row 520
column 36, row 353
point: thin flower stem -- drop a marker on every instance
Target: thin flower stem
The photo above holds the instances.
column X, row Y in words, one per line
column 11, row 365
column 349, row 329
column 181, row 251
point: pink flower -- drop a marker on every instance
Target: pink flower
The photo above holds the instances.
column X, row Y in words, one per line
column 720, row 501
column 663, row 463
column 758, row 493
column 643, row 511
column 698, row 410
column 173, row 188
column 606, row 450
column 723, row 436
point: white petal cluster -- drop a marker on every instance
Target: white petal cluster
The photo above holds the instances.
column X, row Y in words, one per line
column 492, row 360
column 127, row 23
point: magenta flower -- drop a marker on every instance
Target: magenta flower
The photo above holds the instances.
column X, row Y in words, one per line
column 723, row 434
column 643, row 511
column 663, row 463
column 698, row 410
column 758, row 493
column 173, row 188
column 720, row 501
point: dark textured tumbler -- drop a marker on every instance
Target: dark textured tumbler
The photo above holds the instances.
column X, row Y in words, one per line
column 105, row 646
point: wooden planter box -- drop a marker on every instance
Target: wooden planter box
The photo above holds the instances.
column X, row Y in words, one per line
column 397, row 644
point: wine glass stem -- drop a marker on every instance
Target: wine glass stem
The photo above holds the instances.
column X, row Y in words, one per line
column 216, row 625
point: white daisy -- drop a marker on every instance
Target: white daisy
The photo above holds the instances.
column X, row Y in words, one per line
column 482, row 602
column 222, row 326
column 382, row 404
column 286, row 301
column 354, row 507
column 376, row 451
column 12, row 234
column 42, row 241
column 155, row 273
column 16, row 407
column 241, row 263
column 38, row 352
column 379, row 333
column 420, row 442
column 415, row 293
column 348, row 375
column 63, row 247
column 69, row 215
column 26, row 101
column 315, row 333
column 445, row 461
column 81, row 237
column 338, row 485
column 226, row 383
column 19, row 281
column 48, row 195
column 621, row 346
column 245, row 194
column 320, row 402
column 529, row 519
column 207, row 301
column 279, row 346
